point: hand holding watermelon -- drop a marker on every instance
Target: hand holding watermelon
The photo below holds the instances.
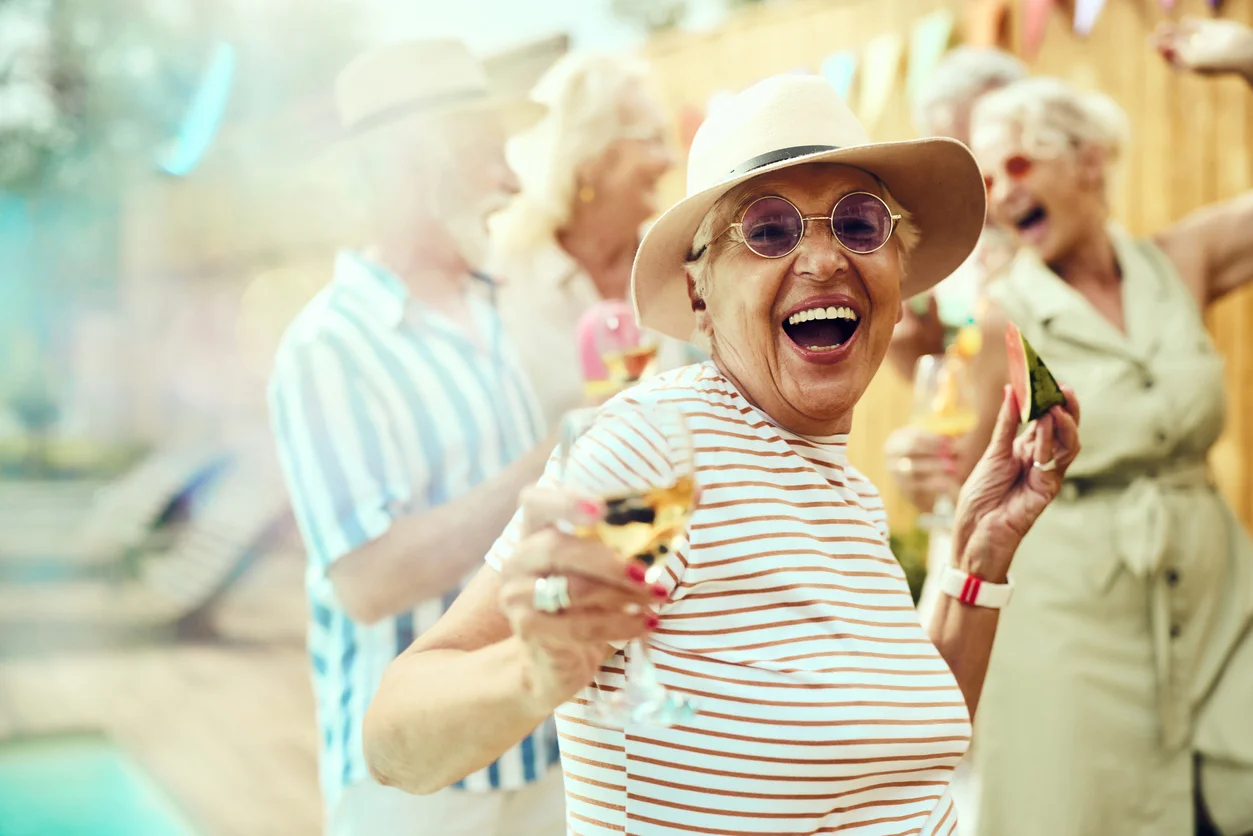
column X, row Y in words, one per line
column 1014, row 481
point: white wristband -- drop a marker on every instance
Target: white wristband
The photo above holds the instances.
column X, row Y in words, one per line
column 974, row 591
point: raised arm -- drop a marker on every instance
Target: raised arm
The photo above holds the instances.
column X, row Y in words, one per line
column 366, row 521
column 1212, row 248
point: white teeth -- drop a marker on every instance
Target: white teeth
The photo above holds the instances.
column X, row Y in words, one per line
column 822, row 313
column 822, row 347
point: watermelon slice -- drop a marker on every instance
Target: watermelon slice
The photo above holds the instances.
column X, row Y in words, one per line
column 1035, row 388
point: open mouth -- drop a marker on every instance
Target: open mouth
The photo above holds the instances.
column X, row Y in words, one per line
column 1031, row 219
column 822, row 329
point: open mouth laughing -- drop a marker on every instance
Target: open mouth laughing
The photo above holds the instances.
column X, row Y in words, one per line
column 821, row 328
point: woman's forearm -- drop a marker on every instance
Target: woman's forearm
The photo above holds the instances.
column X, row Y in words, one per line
column 441, row 714
column 963, row 635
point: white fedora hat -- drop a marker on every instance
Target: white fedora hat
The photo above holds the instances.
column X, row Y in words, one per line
column 790, row 120
column 406, row 78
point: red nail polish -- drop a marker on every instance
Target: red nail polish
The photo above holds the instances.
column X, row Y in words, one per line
column 636, row 572
column 651, row 622
column 660, row 591
column 590, row 508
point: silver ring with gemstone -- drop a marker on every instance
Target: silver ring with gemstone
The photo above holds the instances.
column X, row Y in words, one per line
column 552, row 594
column 1047, row 466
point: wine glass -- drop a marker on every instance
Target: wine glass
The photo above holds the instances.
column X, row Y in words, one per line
column 943, row 405
column 614, row 351
column 640, row 462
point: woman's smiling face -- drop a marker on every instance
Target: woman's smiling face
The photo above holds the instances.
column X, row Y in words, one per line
column 802, row 335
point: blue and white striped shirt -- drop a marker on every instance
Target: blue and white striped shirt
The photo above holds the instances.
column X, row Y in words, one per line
column 383, row 408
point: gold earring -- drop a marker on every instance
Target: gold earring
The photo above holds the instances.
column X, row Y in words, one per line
column 587, row 194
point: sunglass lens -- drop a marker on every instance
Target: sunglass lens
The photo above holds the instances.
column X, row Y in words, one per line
column 1018, row 166
column 861, row 222
column 772, row 227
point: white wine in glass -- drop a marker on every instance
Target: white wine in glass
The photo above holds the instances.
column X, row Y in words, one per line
column 649, row 490
column 943, row 405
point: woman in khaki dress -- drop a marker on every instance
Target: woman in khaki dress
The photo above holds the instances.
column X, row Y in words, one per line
column 1119, row 699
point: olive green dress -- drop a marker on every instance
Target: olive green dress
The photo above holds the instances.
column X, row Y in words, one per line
column 1123, row 667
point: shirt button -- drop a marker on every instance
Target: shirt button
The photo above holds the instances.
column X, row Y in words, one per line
column 1175, row 631
column 1161, row 436
column 1148, row 382
column 1172, row 576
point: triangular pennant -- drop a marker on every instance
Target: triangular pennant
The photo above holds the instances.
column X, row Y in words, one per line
column 1035, row 22
column 985, row 22
column 690, row 120
column 1086, row 13
column 838, row 68
column 927, row 43
column 1168, row 5
column 880, row 65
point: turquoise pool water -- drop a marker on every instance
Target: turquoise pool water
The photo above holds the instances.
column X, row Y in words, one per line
column 80, row 785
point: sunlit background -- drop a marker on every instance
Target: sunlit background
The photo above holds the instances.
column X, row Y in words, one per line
column 171, row 194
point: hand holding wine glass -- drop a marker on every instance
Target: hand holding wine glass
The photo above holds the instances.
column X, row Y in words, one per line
column 640, row 461
column 604, row 603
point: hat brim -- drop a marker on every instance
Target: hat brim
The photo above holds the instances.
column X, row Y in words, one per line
column 936, row 180
column 516, row 114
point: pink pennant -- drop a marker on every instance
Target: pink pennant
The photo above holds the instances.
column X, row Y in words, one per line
column 1168, row 5
column 1086, row 13
column 1035, row 22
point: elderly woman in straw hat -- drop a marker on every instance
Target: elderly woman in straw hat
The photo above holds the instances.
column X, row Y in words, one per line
column 824, row 704
column 588, row 173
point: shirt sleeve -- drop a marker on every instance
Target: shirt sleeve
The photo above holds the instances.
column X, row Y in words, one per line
column 338, row 451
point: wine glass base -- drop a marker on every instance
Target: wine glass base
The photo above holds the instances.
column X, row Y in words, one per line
column 936, row 522
column 662, row 710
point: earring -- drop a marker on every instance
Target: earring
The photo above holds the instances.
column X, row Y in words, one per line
column 587, row 194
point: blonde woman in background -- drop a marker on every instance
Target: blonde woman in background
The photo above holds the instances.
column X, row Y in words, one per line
column 589, row 172
column 1119, row 693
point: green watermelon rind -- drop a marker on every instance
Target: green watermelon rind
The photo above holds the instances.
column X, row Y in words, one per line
column 1044, row 392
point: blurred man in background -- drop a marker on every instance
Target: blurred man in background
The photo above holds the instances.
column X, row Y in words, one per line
column 406, row 429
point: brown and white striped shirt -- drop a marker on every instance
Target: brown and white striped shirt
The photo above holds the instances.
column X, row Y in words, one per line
column 824, row 706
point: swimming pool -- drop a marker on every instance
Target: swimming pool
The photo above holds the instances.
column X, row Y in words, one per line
column 80, row 785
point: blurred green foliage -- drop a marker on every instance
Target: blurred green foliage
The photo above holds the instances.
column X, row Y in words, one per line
column 910, row 548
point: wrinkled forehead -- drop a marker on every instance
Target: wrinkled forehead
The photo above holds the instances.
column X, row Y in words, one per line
column 814, row 186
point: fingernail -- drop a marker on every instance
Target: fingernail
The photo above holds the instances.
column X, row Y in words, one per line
column 651, row 622
column 590, row 508
column 659, row 591
column 636, row 572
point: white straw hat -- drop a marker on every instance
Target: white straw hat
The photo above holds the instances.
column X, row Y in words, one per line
column 791, row 120
column 411, row 77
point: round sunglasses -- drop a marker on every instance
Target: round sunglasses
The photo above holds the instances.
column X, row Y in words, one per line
column 772, row 226
column 1017, row 166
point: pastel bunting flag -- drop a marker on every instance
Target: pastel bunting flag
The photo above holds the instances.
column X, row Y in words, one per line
column 838, row 69
column 1034, row 25
column 985, row 22
column 1086, row 13
column 927, row 43
column 1168, row 5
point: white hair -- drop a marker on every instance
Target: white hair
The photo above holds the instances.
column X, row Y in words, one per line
column 961, row 77
column 1053, row 117
column 584, row 93
column 704, row 248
